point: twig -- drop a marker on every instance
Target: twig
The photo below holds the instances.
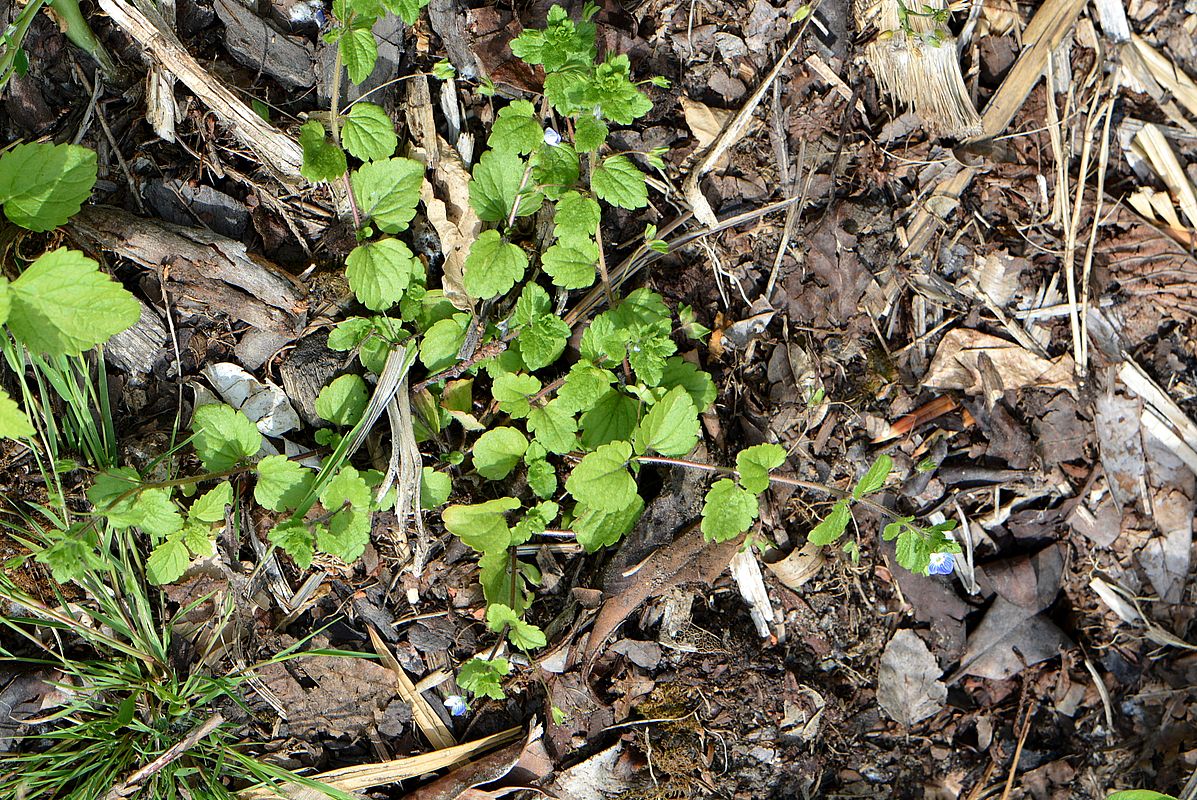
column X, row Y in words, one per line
column 602, row 266
column 116, row 151
column 779, row 479
column 1022, row 739
column 194, row 736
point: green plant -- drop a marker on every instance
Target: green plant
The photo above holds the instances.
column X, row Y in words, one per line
column 61, row 305
column 14, row 60
column 1139, row 794
column 129, row 718
column 627, row 400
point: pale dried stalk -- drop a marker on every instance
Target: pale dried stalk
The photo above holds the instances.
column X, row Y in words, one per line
column 275, row 149
column 923, row 75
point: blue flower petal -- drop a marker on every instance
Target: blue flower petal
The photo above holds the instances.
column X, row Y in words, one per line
column 941, row 564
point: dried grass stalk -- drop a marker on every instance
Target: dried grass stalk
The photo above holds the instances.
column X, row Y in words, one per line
column 917, row 64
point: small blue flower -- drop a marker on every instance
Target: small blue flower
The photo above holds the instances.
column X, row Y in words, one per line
column 457, row 705
column 551, row 137
column 941, row 564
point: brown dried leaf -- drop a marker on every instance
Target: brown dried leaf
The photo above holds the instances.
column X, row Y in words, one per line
column 908, row 685
column 957, row 364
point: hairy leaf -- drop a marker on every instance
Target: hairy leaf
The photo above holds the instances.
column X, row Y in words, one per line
column 833, row 526
column 728, row 511
column 754, row 464
column 368, row 132
column 282, row 483
column 482, row 526
column 670, row 427
column 596, row 529
column 13, row 422
column 344, row 400
column 387, row 191
column 62, row 304
column 322, row 159
column 497, row 452
column 493, row 266
column 618, row 181
column 601, row 480
column 43, row 185
column 379, row 272
column 223, row 436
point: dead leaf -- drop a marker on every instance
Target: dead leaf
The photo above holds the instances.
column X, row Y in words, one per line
column 342, row 700
column 363, row 776
column 641, row 653
column 1031, row 582
column 1009, row 639
column 908, row 685
column 704, row 122
column 1120, row 440
column 689, row 557
column 746, row 572
column 596, row 778
column 799, row 566
column 462, row 783
column 265, row 404
column 957, row 364
column 453, row 218
column 431, row 725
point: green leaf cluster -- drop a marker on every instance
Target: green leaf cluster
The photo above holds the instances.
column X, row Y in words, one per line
column 61, row 304
column 731, row 507
column 576, row 83
column 916, row 544
column 832, row 527
column 484, row 528
column 484, row 678
column 124, row 500
column 354, row 35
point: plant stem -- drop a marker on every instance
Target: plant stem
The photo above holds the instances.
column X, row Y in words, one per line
column 334, row 117
column 20, row 27
column 80, row 34
column 602, row 265
column 778, row 479
column 357, row 218
column 515, row 207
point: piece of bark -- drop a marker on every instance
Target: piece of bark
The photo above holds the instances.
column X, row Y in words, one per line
column 252, row 42
column 136, row 350
column 305, row 371
column 182, row 203
column 205, row 273
column 447, row 18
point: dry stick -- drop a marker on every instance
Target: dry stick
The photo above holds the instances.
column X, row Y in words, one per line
column 602, row 265
column 732, row 133
column 1073, row 226
column 276, row 150
column 1044, row 32
column 642, row 257
column 1022, row 739
column 1103, row 162
column 176, row 751
column 116, row 151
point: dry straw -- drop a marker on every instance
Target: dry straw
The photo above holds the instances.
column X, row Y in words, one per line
column 916, row 63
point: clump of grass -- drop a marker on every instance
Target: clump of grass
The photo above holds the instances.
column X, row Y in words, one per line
column 132, row 722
